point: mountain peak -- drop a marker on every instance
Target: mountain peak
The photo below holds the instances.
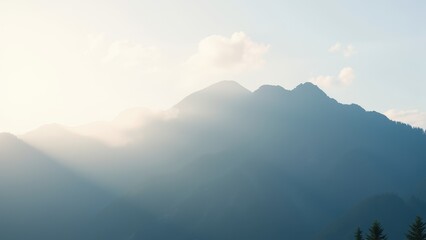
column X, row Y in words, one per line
column 7, row 141
column 309, row 89
column 271, row 89
column 226, row 87
column 5, row 136
column 308, row 86
column 220, row 92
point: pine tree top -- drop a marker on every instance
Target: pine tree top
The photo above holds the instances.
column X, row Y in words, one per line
column 358, row 234
column 376, row 232
column 417, row 230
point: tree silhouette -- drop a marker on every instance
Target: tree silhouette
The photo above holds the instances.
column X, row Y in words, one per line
column 376, row 232
column 358, row 234
column 417, row 230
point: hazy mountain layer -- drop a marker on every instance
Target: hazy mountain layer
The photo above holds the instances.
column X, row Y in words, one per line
column 41, row 199
column 227, row 163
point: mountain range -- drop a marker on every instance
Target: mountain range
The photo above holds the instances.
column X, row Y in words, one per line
column 224, row 163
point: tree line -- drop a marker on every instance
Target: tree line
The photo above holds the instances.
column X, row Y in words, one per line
column 417, row 231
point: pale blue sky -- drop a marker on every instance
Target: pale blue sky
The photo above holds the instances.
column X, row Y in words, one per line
column 74, row 62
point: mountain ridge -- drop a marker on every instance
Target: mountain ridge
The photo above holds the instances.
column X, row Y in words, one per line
column 308, row 155
column 228, row 89
column 234, row 164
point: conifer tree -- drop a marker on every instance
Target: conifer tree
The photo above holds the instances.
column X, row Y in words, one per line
column 358, row 234
column 376, row 232
column 417, row 230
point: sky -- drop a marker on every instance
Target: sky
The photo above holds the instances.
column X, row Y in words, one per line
column 74, row 62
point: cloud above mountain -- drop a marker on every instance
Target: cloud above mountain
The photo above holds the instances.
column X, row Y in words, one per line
column 129, row 54
column 347, row 51
column 413, row 117
column 344, row 78
column 237, row 53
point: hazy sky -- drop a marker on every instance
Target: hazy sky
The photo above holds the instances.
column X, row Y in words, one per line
column 74, row 62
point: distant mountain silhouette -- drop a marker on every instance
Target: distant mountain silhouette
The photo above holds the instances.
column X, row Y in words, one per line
column 219, row 94
column 284, row 164
column 41, row 199
column 227, row 163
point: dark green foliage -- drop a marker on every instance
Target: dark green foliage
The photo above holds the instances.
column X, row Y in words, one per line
column 358, row 234
column 394, row 213
column 376, row 232
column 417, row 230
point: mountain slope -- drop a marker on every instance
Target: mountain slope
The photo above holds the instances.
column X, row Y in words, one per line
column 40, row 199
column 272, row 163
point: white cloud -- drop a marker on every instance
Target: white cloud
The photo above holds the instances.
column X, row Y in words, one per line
column 345, row 78
column 413, row 117
column 347, row 51
column 129, row 54
column 220, row 54
column 324, row 81
column 335, row 48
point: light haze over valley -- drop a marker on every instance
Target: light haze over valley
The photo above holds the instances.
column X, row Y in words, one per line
column 212, row 120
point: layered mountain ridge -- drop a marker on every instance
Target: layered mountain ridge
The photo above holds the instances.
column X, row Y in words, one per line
column 227, row 163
